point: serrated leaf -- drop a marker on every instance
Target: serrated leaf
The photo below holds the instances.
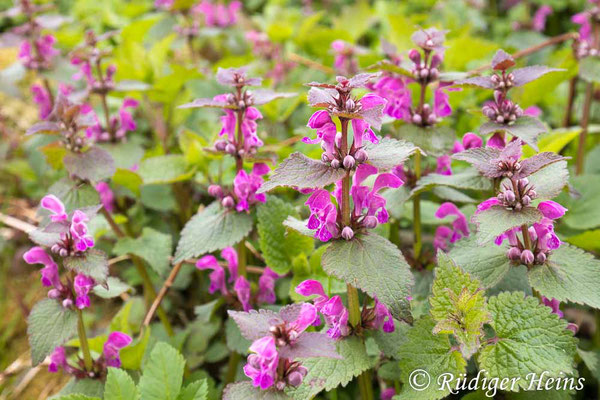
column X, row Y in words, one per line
column 235, row 341
column 468, row 179
column 434, row 141
column 119, row 386
column 49, row 325
column 476, row 81
column 55, row 152
column 94, row 165
column 74, row 195
column 163, row 374
column 299, row 226
column 92, row 263
column 536, row 163
column 589, row 69
column 245, row 391
column 432, row 353
column 487, row 263
column 583, row 210
column 164, row 169
column 128, row 179
column 458, row 305
column 114, row 288
column 374, row 265
column 278, row 247
column 329, row 373
column 212, row 229
column 525, row 128
column 195, row 391
column 92, row 388
column 570, row 274
column 390, row 343
column 389, row 153
column 551, row 180
column 153, row 246
column 592, row 361
column 496, row 220
column 530, row 339
column 530, row 73
column 302, row 172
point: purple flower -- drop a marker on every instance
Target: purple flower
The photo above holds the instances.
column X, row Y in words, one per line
column 554, row 305
column 493, row 201
column 441, row 101
column 583, row 19
column 460, row 226
column 266, row 287
column 58, row 359
column 469, row 141
column 344, row 61
column 360, row 127
column 371, row 200
column 442, row 237
column 55, row 206
column 230, row 255
column 243, row 290
column 311, row 287
column 119, row 124
column 82, row 286
column 116, row 341
column 262, row 365
column 496, row 141
column 383, row 318
column 165, row 4
column 107, row 196
column 551, row 209
column 430, row 39
column 323, row 215
column 540, row 16
column 397, row 94
column 50, row 277
column 533, row 111
column 245, row 186
column 218, row 14
column 444, row 165
column 336, row 317
column 41, row 57
column 42, row 98
column 217, row 277
column 79, row 231
column 388, row 393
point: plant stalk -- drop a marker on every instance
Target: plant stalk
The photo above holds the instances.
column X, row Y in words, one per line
column 232, row 366
column 365, row 386
column 83, row 342
column 570, row 102
column 526, row 239
column 585, row 120
column 418, row 244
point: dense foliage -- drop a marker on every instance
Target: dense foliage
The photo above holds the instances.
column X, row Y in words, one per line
column 380, row 199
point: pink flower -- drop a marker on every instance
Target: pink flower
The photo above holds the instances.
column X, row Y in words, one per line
column 493, row 201
column 79, row 231
column 371, row 200
column 217, row 277
column 107, row 196
column 344, row 60
column 551, row 209
column 444, row 165
column 57, row 209
column 58, row 359
column 383, row 318
column 336, row 317
column 533, row 111
column 50, row 277
column 266, row 286
column 540, row 16
column 42, row 98
column 469, row 141
column 361, row 128
column 554, row 305
column 218, row 14
column 82, row 286
column 41, row 57
column 116, row 341
column 230, row 255
column 496, row 141
column 262, row 365
column 245, row 186
column 460, row 226
column 165, row 4
column 583, row 19
column 398, row 96
column 388, row 393
column 243, row 291
column 323, row 215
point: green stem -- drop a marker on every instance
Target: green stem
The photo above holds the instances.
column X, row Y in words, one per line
column 241, row 252
column 353, row 305
column 366, row 388
column 585, row 120
column 232, row 366
column 418, row 244
column 83, row 342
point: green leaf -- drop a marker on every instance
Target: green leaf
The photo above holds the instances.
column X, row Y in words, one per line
column 374, row 265
column 74, row 196
column 212, row 229
column 431, row 353
column 299, row 226
column 163, row 374
column 435, row 140
column 525, row 128
column 245, row 391
column 49, row 325
column 328, row 373
column 592, row 361
column 465, row 179
column 551, row 180
column 300, row 171
column 76, row 397
column 570, row 274
column 583, row 210
column 132, row 355
column 92, row 263
column 487, row 263
column 235, row 341
column 496, row 220
column 153, row 246
column 119, row 386
column 458, row 305
column 164, row 169
column 195, row 391
column 75, row 388
column 279, row 248
column 530, row 339
column 55, row 152
column 93, row 165
column 389, row 152
column 114, row 288
column 589, row 69
column 128, row 179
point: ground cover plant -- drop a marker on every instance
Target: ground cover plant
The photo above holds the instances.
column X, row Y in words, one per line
column 299, row 199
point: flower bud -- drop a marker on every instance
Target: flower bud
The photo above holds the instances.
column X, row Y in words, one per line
column 349, row 162
column 434, row 73
column 220, row 145
column 415, row 56
column 540, row 258
column 230, row 148
column 338, row 140
column 429, row 43
column 424, row 73
column 215, row 191
column 527, row 257
column 280, row 385
column 532, row 194
column 53, row 294
column 347, row 233
column 228, row 202
column 335, row 163
column 514, row 254
column 370, row 222
column 509, row 196
column 436, row 60
column 294, row 379
column 573, row 327
column 361, row 156
column 67, row 303
column 63, row 252
column 526, row 200
column 416, row 119
column 325, row 158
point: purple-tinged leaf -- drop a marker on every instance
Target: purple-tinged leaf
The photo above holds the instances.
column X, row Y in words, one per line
column 481, row 158
column 502, row 60
column 497, row 219
column 360, row 80
column 228, row 77
column 476, row 81
column 44, row 127
column 373, row 116
column 310, row 344
column 386, row 65
column 537, row 162
column 264, row 96
column 207, row 102
column 452, row 76
column 94, row 165
column 389, row 152
column 422, row 36
column 255, row 324
column 52, row 21
column 321, row 97
column 245, row 391
column 46, row 239
column 321, row 85
column 528, row 74
column 550, row 181
column 525, row 128
column 57, row 227
column 302, row 172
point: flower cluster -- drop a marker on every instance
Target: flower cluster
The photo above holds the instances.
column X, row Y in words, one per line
column 345, row 53
column 118, row 125
column 241, row 286
column 218, row 15
column 335, row 314
column 39, row 53
column 270, row 51
column 109, row 358
column 245, row 186
column 584, row 46
column 445, row 235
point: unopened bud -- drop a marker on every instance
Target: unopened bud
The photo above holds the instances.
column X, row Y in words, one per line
column 424, row 73
column 532, row 194
column 335, row 163
column 215, row 191
column 540, row 258
column 54, row 293
column 573, row 327
column 526, row 200
column 436, row 60
column 230, row 148
column 325, row 158
column 415, row 56
column 220, row 145
column 509, row 196
column 294, row 379
column 527, row 257
column 429, row 43
column 434, row 73
column 361, row 156
column 228, row 202
column 347, row 233
column 338, row 140
column 514, row 254
column 370, row 222
column 349, row 162
column 63, row 252
column 416, row 119
column 67, row 303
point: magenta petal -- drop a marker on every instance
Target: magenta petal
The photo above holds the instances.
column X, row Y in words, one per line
column 487, row 204
column 319, row 119
column 362, row 172
column 387, row 180
column 260, row 169
column 551, row 209
column 307, row 315
column 55, row 206
column 208, row 261
column 310, row 287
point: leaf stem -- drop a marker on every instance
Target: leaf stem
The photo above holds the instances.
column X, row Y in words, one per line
column 232, row 366
column 366, row 388
column 161, row 295
column 585, row 120
column 83, row 342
